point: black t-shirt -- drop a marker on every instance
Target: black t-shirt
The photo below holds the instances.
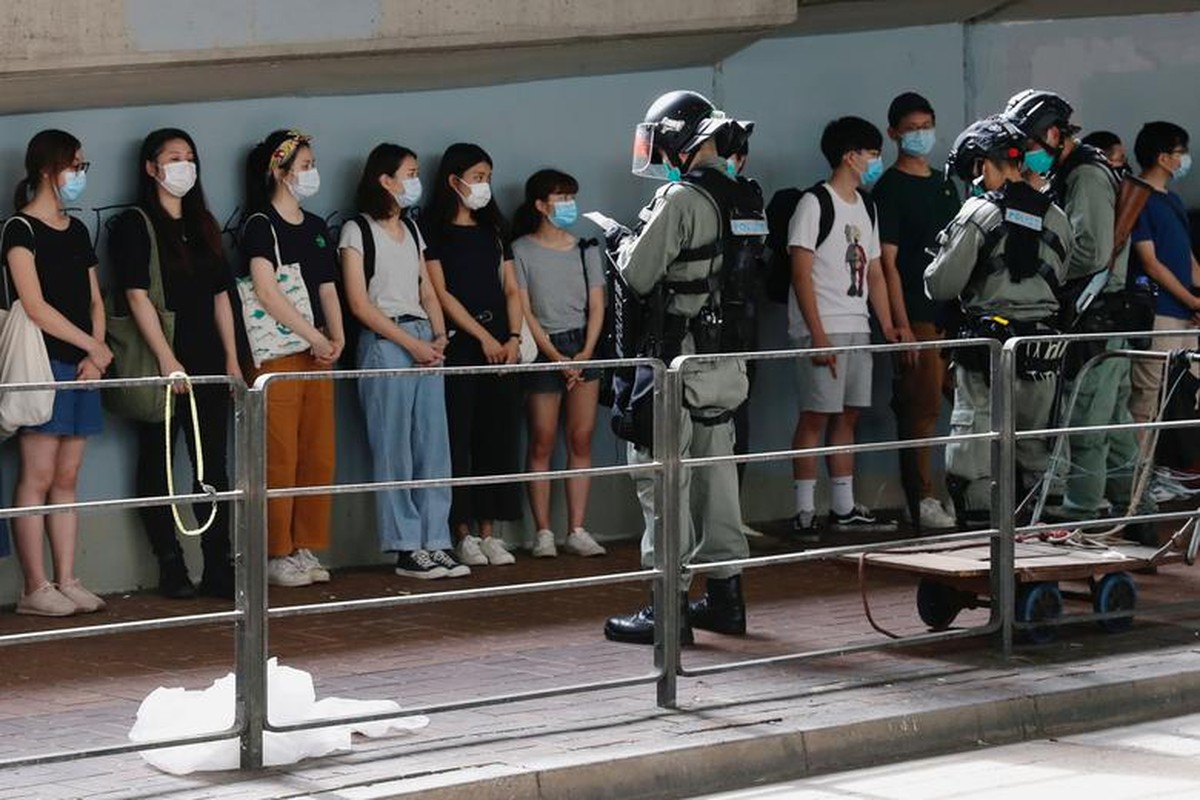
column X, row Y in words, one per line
column 192, row 277
column 470, row 257
column 63, row 260
column 912, row 211
column 308, row 244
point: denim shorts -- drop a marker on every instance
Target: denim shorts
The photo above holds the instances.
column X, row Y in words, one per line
column 569, row 343
column 76, row 412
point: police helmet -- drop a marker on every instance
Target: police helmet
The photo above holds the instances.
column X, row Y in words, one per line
column 677, row 123
column 1035, row 111
column 993, row 137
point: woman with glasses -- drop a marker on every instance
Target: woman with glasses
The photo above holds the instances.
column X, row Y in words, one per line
column 172, row 215
column 51, row 268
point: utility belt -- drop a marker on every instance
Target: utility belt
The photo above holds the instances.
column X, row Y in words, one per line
column 1036, row 361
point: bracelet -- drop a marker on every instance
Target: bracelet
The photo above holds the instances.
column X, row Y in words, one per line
column 440, row 336
column 514, row 336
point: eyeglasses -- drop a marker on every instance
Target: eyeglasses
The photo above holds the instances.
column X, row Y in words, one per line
column 82, row 166
column 1179, row 151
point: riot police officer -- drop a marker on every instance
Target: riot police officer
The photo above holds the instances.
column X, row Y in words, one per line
column 1002, row 257
column 1087, row 187
column 673, row 267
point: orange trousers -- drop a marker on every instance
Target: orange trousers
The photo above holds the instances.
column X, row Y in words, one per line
column 300, row 452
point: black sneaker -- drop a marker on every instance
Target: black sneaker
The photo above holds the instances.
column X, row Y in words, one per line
column 804, row 527
column 454, row 568
column 418, row 564
column 859, row 519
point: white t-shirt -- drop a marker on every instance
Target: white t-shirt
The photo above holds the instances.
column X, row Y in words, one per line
column 839, row 264
column 395, row 288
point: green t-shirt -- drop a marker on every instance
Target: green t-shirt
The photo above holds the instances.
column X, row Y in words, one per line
column 912, row 211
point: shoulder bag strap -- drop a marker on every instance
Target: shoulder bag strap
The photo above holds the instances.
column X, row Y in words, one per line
column 7, row 272
column 274, row 238
column 155, row 291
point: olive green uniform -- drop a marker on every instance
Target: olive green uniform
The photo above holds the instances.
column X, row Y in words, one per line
column 683, row 217
column 989, row 289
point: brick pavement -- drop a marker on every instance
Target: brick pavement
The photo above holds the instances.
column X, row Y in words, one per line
column 85, row 692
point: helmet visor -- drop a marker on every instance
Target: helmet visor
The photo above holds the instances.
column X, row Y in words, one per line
column 645, row 154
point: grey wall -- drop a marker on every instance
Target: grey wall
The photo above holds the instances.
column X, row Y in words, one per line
column 1144, row 67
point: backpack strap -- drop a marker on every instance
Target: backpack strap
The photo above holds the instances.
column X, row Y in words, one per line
column 825, row 203
column 368, row 243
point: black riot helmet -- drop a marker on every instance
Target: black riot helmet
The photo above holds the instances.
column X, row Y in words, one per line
column 994, row 138
column 1035, row 111
column 677, row 123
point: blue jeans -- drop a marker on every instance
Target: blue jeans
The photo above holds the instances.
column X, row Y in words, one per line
column 406, row 428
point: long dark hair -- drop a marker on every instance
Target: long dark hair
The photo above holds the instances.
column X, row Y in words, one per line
column 371, row 198
column 198, row 223
column 457, row 159
column 49, row 151
column 260, row 175
column 541, row 184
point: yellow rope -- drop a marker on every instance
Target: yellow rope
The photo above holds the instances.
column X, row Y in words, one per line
column 208, row 489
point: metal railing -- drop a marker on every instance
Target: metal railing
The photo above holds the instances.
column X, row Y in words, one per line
column 249, row 502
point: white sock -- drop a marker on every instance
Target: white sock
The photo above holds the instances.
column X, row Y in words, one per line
column 805, row 495
column 841, row 494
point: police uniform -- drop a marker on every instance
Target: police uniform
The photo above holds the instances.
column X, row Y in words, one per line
column 1101, row 463
column 987, row 288
column 683, row 217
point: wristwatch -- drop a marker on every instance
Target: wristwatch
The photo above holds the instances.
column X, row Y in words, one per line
column 514, row 335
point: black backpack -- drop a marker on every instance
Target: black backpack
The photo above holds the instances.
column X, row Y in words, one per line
column 350, row 324
column 779, row 215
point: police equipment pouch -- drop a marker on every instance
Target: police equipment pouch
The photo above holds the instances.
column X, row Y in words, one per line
column 1035, row 361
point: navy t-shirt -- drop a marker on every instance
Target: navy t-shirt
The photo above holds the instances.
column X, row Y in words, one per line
column 308, row 244
column 63, row 260
column 1164, row 222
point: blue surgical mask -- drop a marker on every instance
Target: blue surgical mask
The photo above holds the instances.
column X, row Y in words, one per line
column 411, row 194
column 874, row 170
column 977, row 187
column 1039, row 161
column 673, row 174
column 731, row 168
column 1185, row 166
column 73, row 188
column 565, row 213
column 918, row 143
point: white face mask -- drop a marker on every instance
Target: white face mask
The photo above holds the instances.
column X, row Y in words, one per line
column 307, row 183
column 178, row 177
column 480, row 195
column 411, row 194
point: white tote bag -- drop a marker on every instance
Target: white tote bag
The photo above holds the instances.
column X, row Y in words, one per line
column 527, row 351
column 269, row 338
column 23, row 359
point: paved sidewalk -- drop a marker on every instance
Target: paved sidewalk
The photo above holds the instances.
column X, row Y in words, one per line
column 770, row 723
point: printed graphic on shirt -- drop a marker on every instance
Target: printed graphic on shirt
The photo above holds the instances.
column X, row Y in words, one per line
column 856, row 260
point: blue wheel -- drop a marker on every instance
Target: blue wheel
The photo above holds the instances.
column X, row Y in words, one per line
column 1115, row 592
column 1037, row 602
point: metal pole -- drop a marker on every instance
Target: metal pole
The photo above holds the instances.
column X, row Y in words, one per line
column 668, row 412
column 1004, row 474
column 251, row 547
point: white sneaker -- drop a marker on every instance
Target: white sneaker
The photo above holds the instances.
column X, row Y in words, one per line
column 543, row 545
column 316, row 570
column 495, row 552
column 933, row 515
column 469, row 552
column 287, row 571
column 581, row 543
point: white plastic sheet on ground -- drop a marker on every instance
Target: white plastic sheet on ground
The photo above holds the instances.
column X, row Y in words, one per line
column 173, row 713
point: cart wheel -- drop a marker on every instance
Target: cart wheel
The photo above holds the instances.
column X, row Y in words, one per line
column 939, row 604
column 1115, row 592
column 1039, row 601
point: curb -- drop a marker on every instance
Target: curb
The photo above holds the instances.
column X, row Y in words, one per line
column 777, row 757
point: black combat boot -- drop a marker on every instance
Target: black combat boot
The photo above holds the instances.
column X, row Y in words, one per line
column 217, row 580
column 722, row 608
column 638, row 627
column 173, row 580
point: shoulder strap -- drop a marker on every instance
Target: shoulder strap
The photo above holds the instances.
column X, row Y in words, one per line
column 868, row 203
column 825, row 201
column 274, row 238
column 700, row 180
column 368, row 242
column 154, row 268
column 584, row 244
column 7, row 273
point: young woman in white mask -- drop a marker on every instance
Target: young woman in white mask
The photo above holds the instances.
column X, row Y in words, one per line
column 471, row 268
column 281, row 172
column 195, row 283
column 401, row 325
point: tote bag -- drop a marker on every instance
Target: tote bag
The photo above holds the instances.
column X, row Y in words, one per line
column 132, row 356
column 527, row 351
column 23, row 359
column 269, row 338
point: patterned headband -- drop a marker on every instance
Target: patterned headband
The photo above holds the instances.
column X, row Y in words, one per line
column 287, row 148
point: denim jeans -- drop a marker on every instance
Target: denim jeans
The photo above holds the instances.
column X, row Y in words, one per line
column 406, row 428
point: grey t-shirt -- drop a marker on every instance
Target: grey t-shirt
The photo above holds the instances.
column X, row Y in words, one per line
column 395, row 288
column 558, row 293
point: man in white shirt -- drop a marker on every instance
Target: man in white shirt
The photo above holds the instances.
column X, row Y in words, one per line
column 833, row 243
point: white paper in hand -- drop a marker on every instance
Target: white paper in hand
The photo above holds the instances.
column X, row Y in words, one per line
column 605, row 223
